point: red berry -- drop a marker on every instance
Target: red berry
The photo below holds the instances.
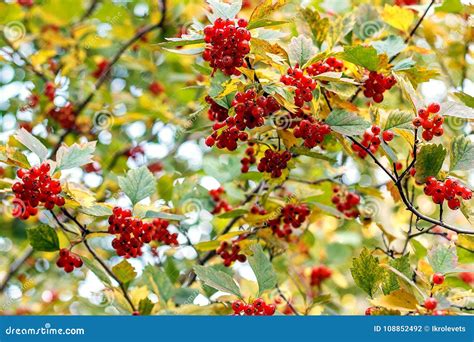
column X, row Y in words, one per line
column 434, row 108
column 431, row 303
column 438, row 278
column 387, row 136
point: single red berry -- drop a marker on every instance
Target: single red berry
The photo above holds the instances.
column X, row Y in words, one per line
column 438, row 278
column 430, row 303
column 434, row 108
column 387, row 136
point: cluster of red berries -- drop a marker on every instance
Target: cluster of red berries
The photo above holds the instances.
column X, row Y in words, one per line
column 68, row 261
column 227, row 45
column 156, row 88
column 449, row 190
column 216, row 112
column 304, row 85
column 162, row 234
column 220, row 203
column 330, row 64
column 101, row 68
column 230, row 253
column 50, row 91
column 226, row 137
column 249, row 159
column 430, row 303
column 251, row 110
column 258, row 210
column 346, row 202
column 319, row 274
column 291, row 216
column 257, row 308
column 65, row 116
column 431, row 127
column 133, row 233
column 274, row 162
column 371, row 140
column 376, row 85
column 35, row 187
column 312, row 132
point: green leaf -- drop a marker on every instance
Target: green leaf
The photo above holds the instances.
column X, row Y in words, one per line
column 443, row 258
column 367, row 273
column 451, row 108
column 467, row 99
column 365, row 56
column 96, row 270
column 319, row 26
column 155, row 276
column 75, row 155
column 173, row 42
column 164, row 216
column 391, row 46
column 185, row 295
column 165, row 187
column 43, row 238
column 465, row 248
column 145, row 306
column 263, row 269
column 419, row 249
column 138, row 184
column 401, row 264
column 32, row 143
column 429, row 161
column 301, row 49
column 399, row 119
column 124, row 271
column 225, row 10
column 461, row 154
column 97, row 210
column 404, row 64
column 307, row 152
column 233, row 213
column 346, row 123
column 451, row 6
column 217, row 279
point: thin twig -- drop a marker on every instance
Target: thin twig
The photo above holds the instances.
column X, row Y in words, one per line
column 15, row 266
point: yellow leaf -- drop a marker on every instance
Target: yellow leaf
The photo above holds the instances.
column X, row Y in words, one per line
column 288, row 138
column 398, row 17
column 397, row 300
column 264, row 8
column 80, row 194
column 42, row 56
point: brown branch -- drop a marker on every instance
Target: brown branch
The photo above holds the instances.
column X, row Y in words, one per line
column 111, row 274
column 89, row 11
column 15, row 266
column 119, row 54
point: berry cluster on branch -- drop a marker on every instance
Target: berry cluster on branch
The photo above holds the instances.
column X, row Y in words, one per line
column 346, row 202
column 376, row 84
column 274, row 162
column 432, row 127
column 230, row 253
column 304, row 85
column 290, row 217
column 449, row 190
column 37, row 187
column 257, row 308
column 221, row 205
column 68, row 260
column 319, row 274
column 227, row 44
